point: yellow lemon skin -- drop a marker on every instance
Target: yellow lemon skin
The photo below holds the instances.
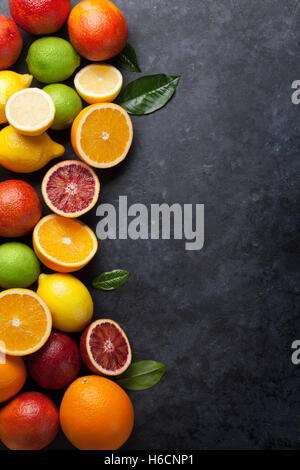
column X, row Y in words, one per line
column 10, row 83
column 25, row 154
column 68, row 299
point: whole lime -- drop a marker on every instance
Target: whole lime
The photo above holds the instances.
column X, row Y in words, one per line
column 19, row 266
column 67, row 105
column 52, row 59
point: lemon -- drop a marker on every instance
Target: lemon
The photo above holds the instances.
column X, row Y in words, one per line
column 10, row 83
column 68, row 299
column 24, row 154
column 30, row 111
column 98, row 83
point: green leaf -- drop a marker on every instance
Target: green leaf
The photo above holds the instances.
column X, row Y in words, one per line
column 111, row 280
column 148, row 94
column 127, row 59
column 142, row 375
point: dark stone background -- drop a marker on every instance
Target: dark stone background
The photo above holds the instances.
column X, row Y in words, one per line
column 222, row 319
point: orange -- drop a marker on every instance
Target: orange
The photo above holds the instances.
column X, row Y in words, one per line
column 96, row 414
column 25, row 322
column 102, row 135
column 97, row 29
column 62, row 244
column 13, row 375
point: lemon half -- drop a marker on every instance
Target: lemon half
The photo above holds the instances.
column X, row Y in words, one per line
column 98, row 83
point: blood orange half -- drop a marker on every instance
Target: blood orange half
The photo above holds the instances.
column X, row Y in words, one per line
column 70, row 188
column 105, row 348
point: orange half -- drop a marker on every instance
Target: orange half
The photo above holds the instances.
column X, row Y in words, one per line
column 102, row 135
column 25, row 322
column 62, row 244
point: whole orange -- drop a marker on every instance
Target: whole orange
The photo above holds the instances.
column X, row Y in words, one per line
column 28, row 422
column 11, row 42
column 20, row 208
column 12, row 376
column 97, row 29
column 96, row 414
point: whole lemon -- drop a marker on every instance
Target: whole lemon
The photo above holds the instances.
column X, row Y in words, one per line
column 10, row 83
column 68, row 299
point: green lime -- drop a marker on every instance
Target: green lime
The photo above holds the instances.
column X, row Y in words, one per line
column 67, row 105
column 19, row 266
column 52, row 59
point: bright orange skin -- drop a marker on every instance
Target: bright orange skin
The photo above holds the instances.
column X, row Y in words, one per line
column 96, row 414
column 11, row 42
column 97, row 29
column 13, row 375
column 20, row 208
column 40, row 16
column 29, row 421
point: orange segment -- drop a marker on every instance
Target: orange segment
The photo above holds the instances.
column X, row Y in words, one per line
column 62, row 244
column 25, row 322
column 102, row 135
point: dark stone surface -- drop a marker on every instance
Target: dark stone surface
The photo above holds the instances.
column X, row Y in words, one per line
column 222, row 319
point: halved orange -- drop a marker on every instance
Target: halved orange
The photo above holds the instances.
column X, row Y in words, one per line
column 102, row 135
column 62, row 244
column 25, row 322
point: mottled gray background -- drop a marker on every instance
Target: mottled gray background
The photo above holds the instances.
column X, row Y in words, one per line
column 222, row 319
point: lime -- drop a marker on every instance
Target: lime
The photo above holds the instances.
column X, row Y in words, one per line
column 52, row 59
column 67, row 104
column 19, row 266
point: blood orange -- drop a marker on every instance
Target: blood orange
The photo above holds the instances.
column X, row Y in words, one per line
column 70, row 188
column 105, row 348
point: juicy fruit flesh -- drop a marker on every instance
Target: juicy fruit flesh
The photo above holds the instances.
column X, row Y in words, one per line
column 104, row 135
column 23, row 322
column 71, row 188
column 22, row 106
column 99, row 80
column 65, row 240
column 108, row 346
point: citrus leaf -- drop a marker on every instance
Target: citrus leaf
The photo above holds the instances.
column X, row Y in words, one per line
column 111, row 280
column 148, row 94
column 127, row 59
column 142, row 375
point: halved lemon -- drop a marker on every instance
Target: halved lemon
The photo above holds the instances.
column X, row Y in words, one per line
column 98, row 83
column 62, row 244
column 30, row 111
column 102, row 135
column 25, row 322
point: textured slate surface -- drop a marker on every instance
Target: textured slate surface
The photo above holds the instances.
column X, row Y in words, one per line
column 223, row 318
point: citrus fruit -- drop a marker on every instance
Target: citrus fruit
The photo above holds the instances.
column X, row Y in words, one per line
column 12, row 376
column 98, row 83
column 70, row 188
column 19, row 266
column 56, row 364
column 62, row 244
column 69, row 300
column 25, row 322
column 40, row 16
column 25, row 154
column 67, row 105
column 10, row 83
column 96, row 414
column 52, row 59
column 30, row 111
column 29, row 421
column 20, row 208
column 97, row 29
column 102, row 134
column 11, row 42
column 105, row 348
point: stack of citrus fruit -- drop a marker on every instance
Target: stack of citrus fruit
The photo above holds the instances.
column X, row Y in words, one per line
column 95, row 412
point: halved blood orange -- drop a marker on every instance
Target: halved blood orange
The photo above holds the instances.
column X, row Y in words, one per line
column 62, row 244
column 105, row 348
column 70, row 188
column 25, row 322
